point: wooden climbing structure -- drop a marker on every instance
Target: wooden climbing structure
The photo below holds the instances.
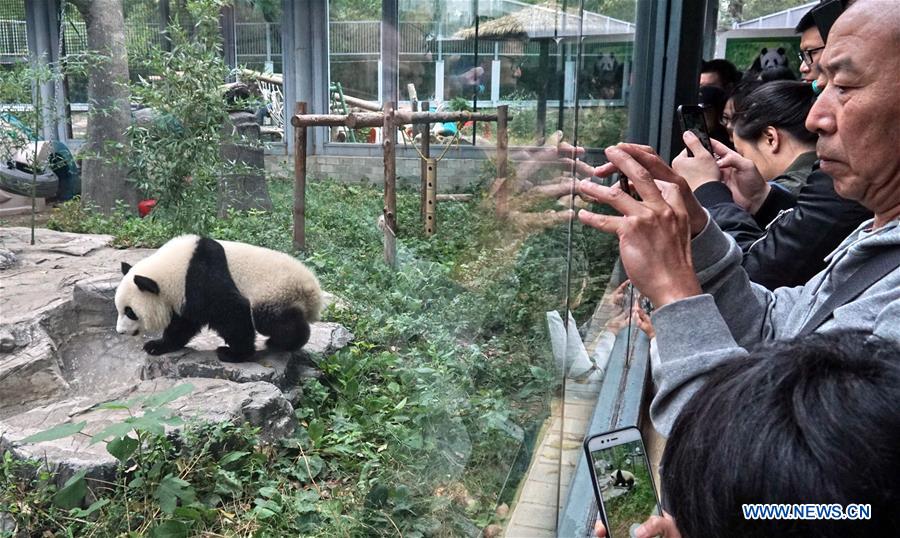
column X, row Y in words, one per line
column 391, row 120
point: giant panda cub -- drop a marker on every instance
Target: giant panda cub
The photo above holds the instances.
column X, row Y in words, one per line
column 622, row 479
column 234, row 288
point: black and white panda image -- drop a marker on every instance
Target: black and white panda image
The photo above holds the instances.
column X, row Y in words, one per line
column 234, row 288
column 622, row 479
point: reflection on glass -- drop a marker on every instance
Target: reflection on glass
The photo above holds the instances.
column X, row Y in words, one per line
column 354, row 32
column 257, row 36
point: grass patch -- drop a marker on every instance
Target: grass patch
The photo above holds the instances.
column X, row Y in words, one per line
column 417, row 427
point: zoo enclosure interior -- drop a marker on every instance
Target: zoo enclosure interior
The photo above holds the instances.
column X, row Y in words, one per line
column 578, row 72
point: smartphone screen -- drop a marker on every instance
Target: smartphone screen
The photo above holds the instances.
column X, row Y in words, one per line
column 692, row 119
column 621, row 478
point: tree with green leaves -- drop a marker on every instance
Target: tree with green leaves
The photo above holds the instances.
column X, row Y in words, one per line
column 735, row 11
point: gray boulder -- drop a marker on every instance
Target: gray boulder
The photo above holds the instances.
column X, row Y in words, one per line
column 60, row 356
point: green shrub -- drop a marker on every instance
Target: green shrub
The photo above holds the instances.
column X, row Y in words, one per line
column 176, row 157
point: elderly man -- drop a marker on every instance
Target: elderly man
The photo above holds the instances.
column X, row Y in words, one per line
column 708, row 313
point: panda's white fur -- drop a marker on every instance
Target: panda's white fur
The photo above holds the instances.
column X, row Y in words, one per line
column 621, row 478
column 262, row 276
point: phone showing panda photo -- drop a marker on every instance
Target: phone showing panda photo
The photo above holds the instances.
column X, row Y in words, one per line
column 623, row 484
column 693, row 119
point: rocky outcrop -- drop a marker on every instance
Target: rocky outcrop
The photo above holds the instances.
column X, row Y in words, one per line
column 60, row 356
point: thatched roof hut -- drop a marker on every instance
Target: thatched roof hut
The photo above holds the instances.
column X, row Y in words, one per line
column 545, row 21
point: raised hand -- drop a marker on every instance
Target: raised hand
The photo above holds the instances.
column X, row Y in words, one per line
column 747, row 186
column 699, row 169
column 655, row 233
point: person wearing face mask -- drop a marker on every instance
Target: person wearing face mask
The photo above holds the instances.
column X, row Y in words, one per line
column 770, row 195
column 707, row 313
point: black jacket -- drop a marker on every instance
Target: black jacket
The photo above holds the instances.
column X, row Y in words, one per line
column 786, row 241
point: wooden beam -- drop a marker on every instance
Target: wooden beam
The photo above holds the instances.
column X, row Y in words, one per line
column 430, row 197
column 425, row 148
column 454, row 197
column 406, row 116
column 502, row 203
column 300, row 181
column 389, row 137
column 543, row 87
column 360, row 103
column 376, row 119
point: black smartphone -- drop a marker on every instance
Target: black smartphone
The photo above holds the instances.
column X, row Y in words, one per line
column 623, row 483
column 622, row 179
column 693, row 119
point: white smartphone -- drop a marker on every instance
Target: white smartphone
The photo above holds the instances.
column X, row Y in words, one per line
column 623, row 483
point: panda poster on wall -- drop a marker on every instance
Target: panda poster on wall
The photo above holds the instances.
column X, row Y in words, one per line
column 761, row 53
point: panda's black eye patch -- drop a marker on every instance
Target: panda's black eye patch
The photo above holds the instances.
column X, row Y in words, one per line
column 130, row 313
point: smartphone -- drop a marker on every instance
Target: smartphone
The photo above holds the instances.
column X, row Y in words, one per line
column 692, row 119
column 623, row 484
column 622, row 179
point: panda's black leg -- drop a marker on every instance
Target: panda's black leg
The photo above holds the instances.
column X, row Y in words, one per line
column 178, row 333
column 235, row 326
column 287, row 328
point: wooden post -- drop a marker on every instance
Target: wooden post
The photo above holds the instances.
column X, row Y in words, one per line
column 389, row 136
column 502, row 158
column 425, row 130
column 300, row 181
column 430, row 197
column 543, row 65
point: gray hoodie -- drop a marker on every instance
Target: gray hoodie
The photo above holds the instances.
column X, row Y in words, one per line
column 699, row 333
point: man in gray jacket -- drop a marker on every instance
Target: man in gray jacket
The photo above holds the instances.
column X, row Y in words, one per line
column 708, row 312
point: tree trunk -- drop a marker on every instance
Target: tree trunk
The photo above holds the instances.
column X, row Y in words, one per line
column 104, row 166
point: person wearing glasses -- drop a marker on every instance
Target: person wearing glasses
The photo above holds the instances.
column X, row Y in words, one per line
column 811, row 47
column 706, row 312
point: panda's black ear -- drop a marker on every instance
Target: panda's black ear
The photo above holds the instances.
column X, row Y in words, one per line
column 125, row 268
column 146, row 284
column 781, row 51
column 764, row 50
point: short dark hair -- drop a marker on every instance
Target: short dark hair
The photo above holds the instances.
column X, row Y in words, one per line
column 813, row 420
column 728, row 73
column 806, row 22
column 783, row 104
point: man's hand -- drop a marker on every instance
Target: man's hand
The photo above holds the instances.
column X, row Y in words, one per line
column 654, row 526
column 699, row 169
column 747, row 186
column 654, row 234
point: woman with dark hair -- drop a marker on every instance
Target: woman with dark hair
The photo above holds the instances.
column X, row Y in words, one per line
column 770, row 130
column 771, row 197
